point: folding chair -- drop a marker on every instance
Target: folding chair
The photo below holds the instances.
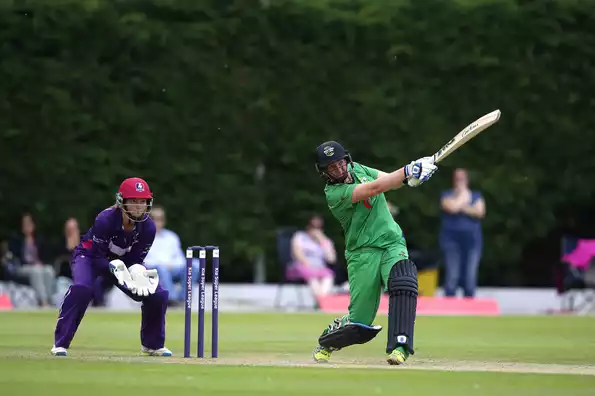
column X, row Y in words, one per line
column 284, row 236
column 576, row 286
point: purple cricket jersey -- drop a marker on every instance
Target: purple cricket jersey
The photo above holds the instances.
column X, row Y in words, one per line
column 106, row 240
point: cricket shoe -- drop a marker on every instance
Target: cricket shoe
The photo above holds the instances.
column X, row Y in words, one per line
column 321, row 354
column 59, row 351
column 156, row 352
column 397, row 357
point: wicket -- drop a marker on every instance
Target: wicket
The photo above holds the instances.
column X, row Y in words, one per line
column 202, row 259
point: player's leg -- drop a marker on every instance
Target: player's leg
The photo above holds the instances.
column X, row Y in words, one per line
column 356, row 327
column 399, row 274
column 365, row 286
column 152, row 332
column 100, row 287
column 153, row 311
column 75, row 303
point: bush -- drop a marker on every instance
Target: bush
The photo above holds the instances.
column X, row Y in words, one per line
column 195, row 96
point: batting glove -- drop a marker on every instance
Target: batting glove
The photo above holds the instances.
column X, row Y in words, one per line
column 419, row 171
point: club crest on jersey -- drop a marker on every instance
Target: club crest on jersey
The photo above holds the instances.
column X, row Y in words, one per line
column 368, row 203
column 328, row 151
column 140, row 187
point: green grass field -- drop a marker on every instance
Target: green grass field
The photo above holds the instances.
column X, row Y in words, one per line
column 270, row 354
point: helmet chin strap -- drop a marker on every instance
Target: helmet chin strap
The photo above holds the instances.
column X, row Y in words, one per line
column 333, row 180
column 134, row 219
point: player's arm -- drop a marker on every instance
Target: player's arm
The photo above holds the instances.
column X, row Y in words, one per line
column 98, row 247
column 389, row 181
column 374, row 172
column 377, row 174
column 415, row 173
column 140, row 250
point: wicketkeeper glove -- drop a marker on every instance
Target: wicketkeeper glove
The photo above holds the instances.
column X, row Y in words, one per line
column 144, row 281
column 119, row 270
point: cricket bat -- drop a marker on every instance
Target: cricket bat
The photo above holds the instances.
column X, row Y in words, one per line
column 467, row 134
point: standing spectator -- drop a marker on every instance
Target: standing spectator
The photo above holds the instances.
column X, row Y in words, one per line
column 29, row 252
column 167, row 257
column 461, row 238
column 311, row 251
column 72, row 237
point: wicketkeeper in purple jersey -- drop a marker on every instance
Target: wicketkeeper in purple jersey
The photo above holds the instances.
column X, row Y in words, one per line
column 114, row 248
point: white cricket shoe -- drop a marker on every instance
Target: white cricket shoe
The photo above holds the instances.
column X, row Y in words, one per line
column 156, row 352
column 59, row 351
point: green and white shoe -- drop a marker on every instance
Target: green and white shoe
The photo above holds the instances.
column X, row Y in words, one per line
column 398, row 356
column 321, row 354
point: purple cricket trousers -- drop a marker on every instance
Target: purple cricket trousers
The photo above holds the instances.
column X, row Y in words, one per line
column 80, row 294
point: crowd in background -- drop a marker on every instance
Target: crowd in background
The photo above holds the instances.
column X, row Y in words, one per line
column 28, row 260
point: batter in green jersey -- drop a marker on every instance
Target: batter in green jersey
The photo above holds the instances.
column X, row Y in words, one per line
column 376, row 252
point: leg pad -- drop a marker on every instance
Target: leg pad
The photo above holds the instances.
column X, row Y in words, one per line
column 402, row 305
column 350, row 334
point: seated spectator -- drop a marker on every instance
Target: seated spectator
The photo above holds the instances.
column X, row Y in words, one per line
column 5, row 262
column 461, row 238
column 311, row 251
column 30, row 258
column 8, row 266
column 167, row 257
column 72, row 237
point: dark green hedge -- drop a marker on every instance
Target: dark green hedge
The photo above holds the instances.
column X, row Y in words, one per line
column 195, row 95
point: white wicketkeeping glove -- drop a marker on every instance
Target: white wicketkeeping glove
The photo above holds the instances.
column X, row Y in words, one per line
column 144, row 281
column 420, row 171
column 118, row 268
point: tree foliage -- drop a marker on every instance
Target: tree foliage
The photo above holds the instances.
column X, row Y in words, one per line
column 197, row 96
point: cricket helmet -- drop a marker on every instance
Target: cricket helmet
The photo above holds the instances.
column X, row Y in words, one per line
column 134, row 188
column 326, row 154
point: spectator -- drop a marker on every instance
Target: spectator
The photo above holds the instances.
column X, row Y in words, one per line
column 311, row 251
column 72, row 237
column 30, row 255
column 167, row 257
column 5, row 261
column 461, row 238
column 8, row 266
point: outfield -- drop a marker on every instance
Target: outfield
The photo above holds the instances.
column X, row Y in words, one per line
column 270, row 354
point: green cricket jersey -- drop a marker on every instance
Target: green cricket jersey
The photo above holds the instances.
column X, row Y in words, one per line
column 367, row 223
